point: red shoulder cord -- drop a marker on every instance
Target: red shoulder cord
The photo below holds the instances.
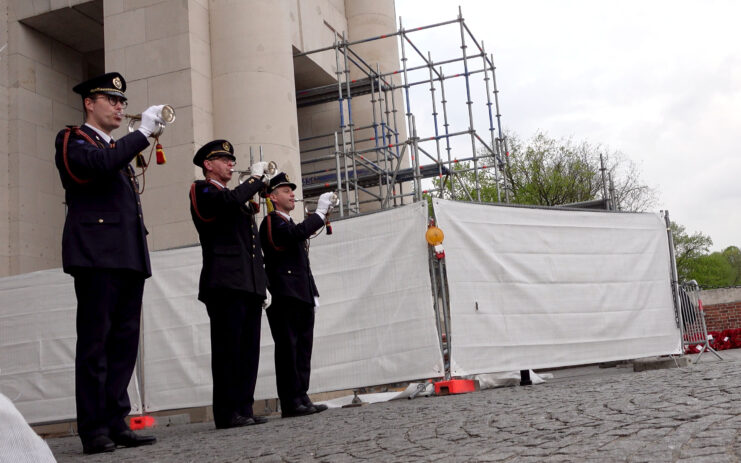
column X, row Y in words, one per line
column 64, row 151
column 195, row 204
column 270, row 231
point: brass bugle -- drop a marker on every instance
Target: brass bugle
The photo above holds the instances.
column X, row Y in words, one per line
column 334, row 201
column 167, row 114
column 243, row 174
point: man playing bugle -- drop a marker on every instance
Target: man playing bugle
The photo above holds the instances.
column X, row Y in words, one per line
column 295, row 295
column 233, row 281
column 104, row 247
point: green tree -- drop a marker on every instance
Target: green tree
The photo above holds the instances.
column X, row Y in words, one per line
column 547, row 171
column 687, row 249
column 712, row 270
column 733, row 255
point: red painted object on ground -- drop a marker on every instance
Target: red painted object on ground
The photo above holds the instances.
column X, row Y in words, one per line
column 455, row 386
column 141, row 422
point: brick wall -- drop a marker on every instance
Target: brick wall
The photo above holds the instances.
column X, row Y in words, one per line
column 722, row 308
column 721, row 317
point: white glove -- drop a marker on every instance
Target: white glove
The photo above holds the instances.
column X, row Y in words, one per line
column 268, row 300
column 258, row 169
column 150, row 119
column 324, row 203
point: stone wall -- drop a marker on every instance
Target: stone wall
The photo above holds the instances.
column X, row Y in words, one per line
column 39, row 78
column 722, row 308
column 226, row 66
column 4, row 191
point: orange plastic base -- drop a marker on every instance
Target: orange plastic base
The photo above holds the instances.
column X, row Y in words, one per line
column 455, row 386
column 141, row 422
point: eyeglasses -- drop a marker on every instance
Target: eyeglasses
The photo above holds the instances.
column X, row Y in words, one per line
column 114, row 100
column 224, row 159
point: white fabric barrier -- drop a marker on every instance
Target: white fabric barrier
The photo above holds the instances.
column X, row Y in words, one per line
column 375, row 325
column 37, row 345
column 536, row 288
column 175, row 361
column 376, row 322
column 18, row 442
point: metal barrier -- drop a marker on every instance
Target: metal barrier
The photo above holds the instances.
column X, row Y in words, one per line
column 694, row 329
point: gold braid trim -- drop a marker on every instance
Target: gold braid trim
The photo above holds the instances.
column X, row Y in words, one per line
column 99, row 89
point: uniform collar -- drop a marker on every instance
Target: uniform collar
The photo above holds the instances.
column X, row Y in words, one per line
column 215, row 182
column 286, row 216
column 102, row 134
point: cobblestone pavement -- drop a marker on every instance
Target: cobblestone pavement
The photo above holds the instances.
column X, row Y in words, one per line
column 690, row 414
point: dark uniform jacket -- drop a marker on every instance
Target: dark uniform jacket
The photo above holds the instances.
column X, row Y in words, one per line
column 232, row 257
column 287, row 257
column 104, row 226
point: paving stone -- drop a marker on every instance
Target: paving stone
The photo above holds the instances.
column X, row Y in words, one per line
column 691, row 452
column 652, row 457
column 687, row 414
column 709, row 459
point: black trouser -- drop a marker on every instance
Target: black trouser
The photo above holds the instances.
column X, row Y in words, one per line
column 292, row 326
column 235, row 351
column 108, row 313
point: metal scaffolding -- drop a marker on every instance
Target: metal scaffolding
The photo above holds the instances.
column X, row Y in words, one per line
column 372, row 163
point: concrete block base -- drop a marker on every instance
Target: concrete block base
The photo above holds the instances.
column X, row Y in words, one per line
column 660, row 363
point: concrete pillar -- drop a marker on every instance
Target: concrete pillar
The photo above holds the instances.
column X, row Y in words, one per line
column 371, row 19
column 253, row 84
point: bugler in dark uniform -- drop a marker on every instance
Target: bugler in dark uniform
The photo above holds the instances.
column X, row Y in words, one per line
column 291, row 314
column 104, row 248
column 232, row 282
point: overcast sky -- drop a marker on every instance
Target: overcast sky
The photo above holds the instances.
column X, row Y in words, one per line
column 659, row 81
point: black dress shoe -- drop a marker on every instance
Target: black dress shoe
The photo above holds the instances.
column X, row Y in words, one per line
column 259, row 420
column 237, row 421
column 319, row 407
column 129, row 438
column 309, row 403
column 300, row 410
column 98, row 444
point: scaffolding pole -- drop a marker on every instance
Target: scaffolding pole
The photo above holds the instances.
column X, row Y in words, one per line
column 469, row 103
column 492, row 138
column 377, row 149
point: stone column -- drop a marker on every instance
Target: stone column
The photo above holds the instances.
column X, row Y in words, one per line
column 253, row 85
column 370, row 19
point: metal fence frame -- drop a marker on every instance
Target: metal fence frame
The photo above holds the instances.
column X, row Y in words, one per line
column 694, row 329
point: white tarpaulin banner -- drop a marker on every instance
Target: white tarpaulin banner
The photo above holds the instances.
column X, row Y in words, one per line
column 37, row 345
column 375, row 323
column 536, row 288
column 175, row 361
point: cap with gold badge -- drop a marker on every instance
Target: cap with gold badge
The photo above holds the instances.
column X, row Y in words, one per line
column 280, row 179
column 111, row 83
column 214, row 149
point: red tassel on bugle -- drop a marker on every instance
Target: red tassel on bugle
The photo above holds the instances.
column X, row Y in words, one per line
column 160, row 155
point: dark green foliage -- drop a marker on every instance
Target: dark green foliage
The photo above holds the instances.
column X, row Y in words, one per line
column 694, row 262
column 712, row 270
column 548, row 172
